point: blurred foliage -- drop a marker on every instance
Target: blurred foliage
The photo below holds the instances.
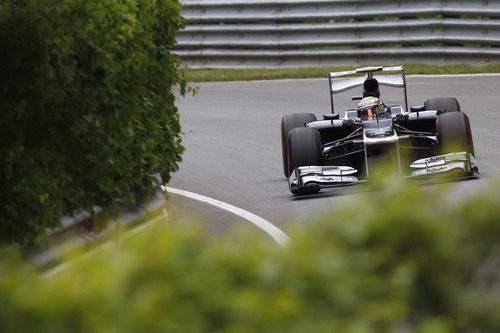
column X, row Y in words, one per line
column 87, row 113
column 397, row 258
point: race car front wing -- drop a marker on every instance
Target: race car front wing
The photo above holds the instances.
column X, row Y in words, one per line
column 308, row 179
column 458, row 165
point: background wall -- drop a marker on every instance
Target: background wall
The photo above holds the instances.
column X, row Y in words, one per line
column 299, row 33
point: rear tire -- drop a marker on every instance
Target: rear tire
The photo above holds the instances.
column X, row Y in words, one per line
column 453, row 133
column 442, row 104
column 289, row 122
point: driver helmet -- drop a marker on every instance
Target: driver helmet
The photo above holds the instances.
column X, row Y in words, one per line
column 369, row 107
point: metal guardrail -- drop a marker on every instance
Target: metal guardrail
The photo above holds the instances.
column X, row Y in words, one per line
column 296, row 33
column 76, row 232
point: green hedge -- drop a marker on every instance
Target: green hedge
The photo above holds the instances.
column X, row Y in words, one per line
column 87, row 116
column 409, row 260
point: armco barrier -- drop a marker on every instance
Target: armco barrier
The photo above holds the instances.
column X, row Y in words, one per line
column 296, row 33
column 76, row 232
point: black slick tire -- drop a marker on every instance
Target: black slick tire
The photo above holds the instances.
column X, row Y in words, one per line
column 289, row 122
column 454, row 133
column 304, row 149
column 442, row 104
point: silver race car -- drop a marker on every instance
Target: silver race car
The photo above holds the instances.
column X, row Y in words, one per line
column 429, row 140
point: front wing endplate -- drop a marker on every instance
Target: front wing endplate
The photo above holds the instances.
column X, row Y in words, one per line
column 461, row 164
column 315, row 177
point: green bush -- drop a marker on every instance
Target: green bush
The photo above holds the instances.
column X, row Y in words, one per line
column 410, row 261
column 87, row 113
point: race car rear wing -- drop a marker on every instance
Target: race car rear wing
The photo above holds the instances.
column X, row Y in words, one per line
column 355, row 78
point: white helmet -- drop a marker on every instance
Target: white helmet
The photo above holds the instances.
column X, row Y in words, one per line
column 369, row 107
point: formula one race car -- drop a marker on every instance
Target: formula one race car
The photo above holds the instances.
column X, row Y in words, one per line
column 339, row 151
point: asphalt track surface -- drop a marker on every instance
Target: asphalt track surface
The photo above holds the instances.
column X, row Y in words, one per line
column 231, row 132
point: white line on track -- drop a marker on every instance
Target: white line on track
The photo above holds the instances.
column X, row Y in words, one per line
column 277, row 234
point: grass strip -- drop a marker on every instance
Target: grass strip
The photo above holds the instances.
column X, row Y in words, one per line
column 212, row 75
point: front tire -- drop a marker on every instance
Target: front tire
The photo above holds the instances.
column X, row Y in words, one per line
column 453, row 133
column 289, row 122
column 304, row 149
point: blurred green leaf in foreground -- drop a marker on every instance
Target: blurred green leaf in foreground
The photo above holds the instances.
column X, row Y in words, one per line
column 402, row 259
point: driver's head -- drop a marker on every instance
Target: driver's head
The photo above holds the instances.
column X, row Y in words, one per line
column 369, row 107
